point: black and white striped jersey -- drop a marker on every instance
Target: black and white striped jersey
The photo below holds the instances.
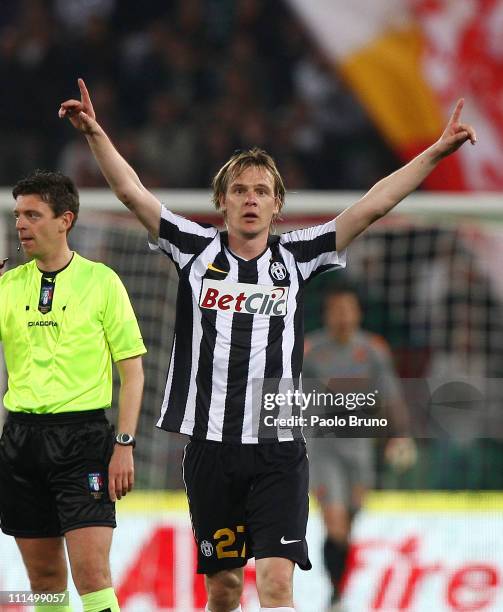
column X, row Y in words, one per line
column 238, row 323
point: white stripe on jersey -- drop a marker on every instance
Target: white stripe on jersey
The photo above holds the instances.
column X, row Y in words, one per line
column 184, row 225
column 188, row 226
column 183, row 258
column 256, row 369
column 189, row 416
column 288, row 340
column 169, row 382
column 220, row 370
column 337, row 260
column 308, row 234
column 198, row 269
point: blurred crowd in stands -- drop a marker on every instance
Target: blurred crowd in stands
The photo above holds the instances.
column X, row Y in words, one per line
column 179, row 85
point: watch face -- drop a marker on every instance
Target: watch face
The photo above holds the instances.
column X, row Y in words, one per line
column 125, row 439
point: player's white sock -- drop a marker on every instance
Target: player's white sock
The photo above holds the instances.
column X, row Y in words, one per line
column 238, row 609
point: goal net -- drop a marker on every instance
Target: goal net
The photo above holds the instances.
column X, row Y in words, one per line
column 429, row 276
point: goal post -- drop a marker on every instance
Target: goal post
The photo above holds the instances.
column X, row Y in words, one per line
column 429, row 274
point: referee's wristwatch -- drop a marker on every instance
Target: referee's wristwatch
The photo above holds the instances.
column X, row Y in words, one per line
column 125, row 439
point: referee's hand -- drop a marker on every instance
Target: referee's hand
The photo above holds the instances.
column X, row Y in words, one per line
column 120, row 472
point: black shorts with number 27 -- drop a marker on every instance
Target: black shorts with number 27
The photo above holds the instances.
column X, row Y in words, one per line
column 246, row 501
column 54, row 473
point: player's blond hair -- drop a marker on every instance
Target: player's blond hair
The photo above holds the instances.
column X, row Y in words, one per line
column 240, row 161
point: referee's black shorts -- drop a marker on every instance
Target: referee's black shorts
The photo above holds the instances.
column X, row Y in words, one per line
column 246, row 501
column 54, row 473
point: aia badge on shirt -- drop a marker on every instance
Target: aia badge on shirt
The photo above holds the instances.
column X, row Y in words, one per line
column 46, row 295
column 277, row 270
column 96, row 484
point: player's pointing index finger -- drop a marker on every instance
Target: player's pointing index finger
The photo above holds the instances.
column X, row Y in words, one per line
column 456, row 114
column 86, row 99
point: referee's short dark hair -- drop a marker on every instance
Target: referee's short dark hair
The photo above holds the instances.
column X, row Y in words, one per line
column 55, row 189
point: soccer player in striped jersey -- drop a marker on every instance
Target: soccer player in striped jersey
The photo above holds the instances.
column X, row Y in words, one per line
column 237, row 353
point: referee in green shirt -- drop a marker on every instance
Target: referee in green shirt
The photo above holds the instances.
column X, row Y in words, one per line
column 63, row 320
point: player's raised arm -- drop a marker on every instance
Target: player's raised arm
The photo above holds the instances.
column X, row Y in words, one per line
column 389, row 191
column 123, row 180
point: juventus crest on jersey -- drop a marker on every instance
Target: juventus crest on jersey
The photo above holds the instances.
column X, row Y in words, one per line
column 239, row 326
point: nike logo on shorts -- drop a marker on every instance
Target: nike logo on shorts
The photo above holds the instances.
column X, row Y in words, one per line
column 283, row 541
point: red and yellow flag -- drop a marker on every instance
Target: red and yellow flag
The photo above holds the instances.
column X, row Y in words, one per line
column 408, row 61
